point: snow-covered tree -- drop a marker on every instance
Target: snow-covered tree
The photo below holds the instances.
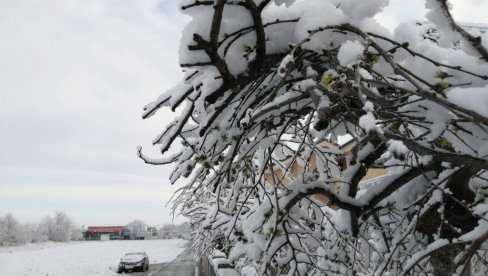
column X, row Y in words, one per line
column 57, row 228
column 14, row 233
column 172, row 231
column 34, row 232
column 10, row 230
column 269, row 81
column 76, row 233
column 137, row 228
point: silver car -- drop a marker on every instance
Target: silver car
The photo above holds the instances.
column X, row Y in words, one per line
column 134, row 261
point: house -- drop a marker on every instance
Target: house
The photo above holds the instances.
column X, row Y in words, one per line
column 106, row 233
column 343, row 152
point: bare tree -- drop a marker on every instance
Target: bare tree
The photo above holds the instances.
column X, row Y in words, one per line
column 269, row 82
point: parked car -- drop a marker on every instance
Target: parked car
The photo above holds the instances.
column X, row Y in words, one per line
column 134, row 261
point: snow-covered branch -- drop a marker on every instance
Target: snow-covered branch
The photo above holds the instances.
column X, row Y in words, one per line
column 272, row 90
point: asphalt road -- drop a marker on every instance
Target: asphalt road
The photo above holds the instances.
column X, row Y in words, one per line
column 153, row 268
column 183, row 265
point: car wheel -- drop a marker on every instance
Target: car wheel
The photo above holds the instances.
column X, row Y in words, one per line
column 120, row 270
column 147, row 266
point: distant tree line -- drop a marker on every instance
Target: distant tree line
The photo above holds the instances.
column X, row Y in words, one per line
column 172, row 231
column 139, row 229
column 60, row 228
column 57, row 228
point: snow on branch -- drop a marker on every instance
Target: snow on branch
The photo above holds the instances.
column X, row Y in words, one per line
column 316, row 142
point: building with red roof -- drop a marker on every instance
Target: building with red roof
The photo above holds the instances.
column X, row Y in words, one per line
column 113, row 232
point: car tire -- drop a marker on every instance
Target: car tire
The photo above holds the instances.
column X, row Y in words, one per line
column 147, row 267
column 120, row 270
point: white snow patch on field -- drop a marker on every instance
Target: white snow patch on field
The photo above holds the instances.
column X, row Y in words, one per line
column 82, row 258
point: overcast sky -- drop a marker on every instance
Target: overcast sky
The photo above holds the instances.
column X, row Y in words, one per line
column 74, row 76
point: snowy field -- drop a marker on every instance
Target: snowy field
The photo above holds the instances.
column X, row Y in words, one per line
column 81, row 258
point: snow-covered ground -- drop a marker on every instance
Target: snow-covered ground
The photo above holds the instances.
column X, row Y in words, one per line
column 81, row 258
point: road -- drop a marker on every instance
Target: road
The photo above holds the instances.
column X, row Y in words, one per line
column 153, row 268
column 183, row 265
